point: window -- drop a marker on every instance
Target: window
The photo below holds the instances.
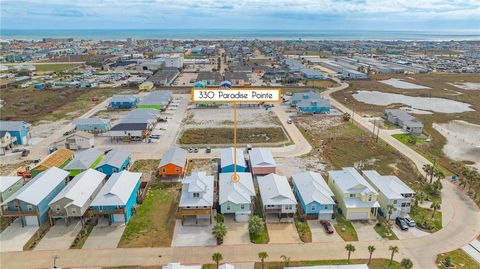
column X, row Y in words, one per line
column 29, row 207
column 164, row 170
column 314, row 208
column 270, row 206
column 369, row 198
column 242, row 206
column 74, row 211
column 394, row 202
column 114, row 170
column 177, row 170
column 325, row 206
column 352, row 195
column 288, row 207
column 57, row 208
column 196, row 194
column 228, row 206
column 100, row 170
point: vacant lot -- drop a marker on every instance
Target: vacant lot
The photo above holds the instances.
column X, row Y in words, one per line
column 154, row 222
column 54, row 67
column 213, row 136
column 148, row 168
column 201, row 165
column 223, row 117
column 459, row 259
column 374, row 264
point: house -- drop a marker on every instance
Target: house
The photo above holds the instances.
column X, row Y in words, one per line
column 314, row 195
column 18, row 129
column 135, row 125
column 157, row 100
column 346, row 266
column 312, row 73
column 356, row 198
column 314, row 106
column 92, row 125
column 238, row 78
column 391, row 191
column 6, row 141
column 226, row 266
column 123, row 101
column 210, row 78
column 404, row 120
column 146, row 86
column 176, row 265
column 277, row 197
column 74, row 200
column 262, row 162
column 77, row 140
column 196, row 197
column 227, row 161
column 59, row 158
column 114, row 161
column 84, row 160
column 30, row 202
column 173, row 162
column 118, row 197
column 236, row 196
column 9, row 185
column 164, row 76
column 307, row 95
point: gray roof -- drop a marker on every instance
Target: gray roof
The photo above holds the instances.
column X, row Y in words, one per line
column 349, row 180
column 391, row 186
column 123, row 98
column 157, row 98
column 198, row 182
column 176, row 156
column 209, row 76
column 226, row 158
column 83, row 121
column 236, row 75
column 313, row 188
column 115, row 157
column 404, row 117
column 240, row 192
column 7, row 181
column 118, row 189
column 84, row 159
column 305, row 95
column 275, row 190
column 13, row 125
column 146, row 115
column 261, row 158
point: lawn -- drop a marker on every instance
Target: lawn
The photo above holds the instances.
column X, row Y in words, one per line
column 420, row 215
column 262, row 238
column 304, row 232
column 375, row 264
column 459, row 258
column 345, row 229
column 212, row 136
column 383, row 231
column 54, row 67
column 154, row 222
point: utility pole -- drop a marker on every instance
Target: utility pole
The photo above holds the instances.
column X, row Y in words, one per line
column 378, row 132
column 373, row 132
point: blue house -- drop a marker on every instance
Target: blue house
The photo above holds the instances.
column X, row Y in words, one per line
column 123, row 101
column 300, row 96
column 92, row 125
column 117, row 197
column 114, row 161
column 227, row 161
column 314, row 106
column 18, row 129
column 314, row 195
column 30, row 202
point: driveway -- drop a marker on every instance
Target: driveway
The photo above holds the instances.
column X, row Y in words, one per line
column 283, row 233
column 319, row 234
column 237, row 232
column 413, row 232
column 14, row 237
column 191, row 234
column 365, row 231
column 60, row 236
column 104, row 235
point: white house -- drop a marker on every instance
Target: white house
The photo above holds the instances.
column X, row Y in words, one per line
column 197, row 197
column 277, row 197
column 176, row 265
column 78, row 140
column 392, row 191
column 236, row 196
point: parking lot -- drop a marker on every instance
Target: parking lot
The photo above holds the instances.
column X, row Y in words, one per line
column 14, row 237
column 319, row 234
column 283, row 233
column 60, row 236
column 237, row 232
column 365, row 231
column 104, row 235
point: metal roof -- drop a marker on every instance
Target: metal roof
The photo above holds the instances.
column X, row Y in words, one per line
column 118, row 189
column 157, row 98
column 260, row 157
column 176, row 156
column 240, row 192
column 226, row 158
column 7, row 181
column 349, row 180
column 13, row 125
column 115, row 158
column 198, row 182
column 83, row 160
column 313, row 188
column 275, row 190
column 391, row 186
column 122, row 98
column 82, row 121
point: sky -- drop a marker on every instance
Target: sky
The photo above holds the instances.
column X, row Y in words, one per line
column 434, row 15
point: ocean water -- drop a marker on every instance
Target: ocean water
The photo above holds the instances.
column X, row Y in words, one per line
column 239, row 34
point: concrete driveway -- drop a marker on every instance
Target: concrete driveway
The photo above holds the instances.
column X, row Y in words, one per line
column 60, row 236
column 14, row 237
column 104, row 235
column 365, row 231
column 319, row 234
column 191, row 234
column 237, row 232
column 283, row 233
column 413, row 232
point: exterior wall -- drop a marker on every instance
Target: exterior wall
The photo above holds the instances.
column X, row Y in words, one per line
column 170, row 169
column 229, row 169
column 234, row 208
column 319, row 109
column 15, row 187
column 21, row 135
column 263, row 170
column 109, row 170
column 132, row 201
column 351, row 211
column 384, row 202
column 120, row 105
column 92, row 128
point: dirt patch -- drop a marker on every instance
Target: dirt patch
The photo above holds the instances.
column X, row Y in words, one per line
column 219, row 117
column 147, row 167
column 201, row 165
column 215, row 136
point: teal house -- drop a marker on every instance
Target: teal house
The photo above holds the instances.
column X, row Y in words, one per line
column 92, row 125
column 114, row 161
column 314, row 106
column 314, row 195
column 236, row 196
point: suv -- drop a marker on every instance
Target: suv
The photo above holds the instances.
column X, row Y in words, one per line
column 401, row 224
column 410, row 222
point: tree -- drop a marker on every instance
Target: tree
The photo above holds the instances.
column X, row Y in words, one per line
column 256, row 225
column 217, row 257
column 350, row 248
column 346, row 116
column 406, row 263
column 412, row 139
column 434, row 206
column 219, row 230
column 439, row 175
column 371, row 249
column 390, row 209
column 262, row 256
column 393, row 249
column 429, row 171
column 420, row 197
column 286, row 260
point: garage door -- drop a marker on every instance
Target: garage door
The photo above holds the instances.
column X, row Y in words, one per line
column 118, row 218
column 357, row 215
column 242, row 217
column 31, row 221
column 326, row 216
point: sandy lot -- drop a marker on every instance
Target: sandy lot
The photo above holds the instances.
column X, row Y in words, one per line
column 45, row 129
column 468, row 86
column 463, row 140
column 220, row 117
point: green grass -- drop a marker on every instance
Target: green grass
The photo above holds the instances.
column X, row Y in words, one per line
column 54, row 67
column 262, row 238
column 304, row 232
column 349, row 234
column 459, row 258
column 420, row 214
column 154, row 222
column 384, row 232
column 375, row 264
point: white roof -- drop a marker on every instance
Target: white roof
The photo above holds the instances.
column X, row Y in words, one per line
column 81, row 188
column 349, row 180
column 176, row 156
column 391, row 186
column 347, row 266
column 240, row 192
column 176, row 265
column 118, row 189
column 226, row 266
column 115, row 158
column 261, row 158
column 198, row 182
column 84, row 159
column 39, row 187
column 313, row 188
column 357, row 203
column 8, row 181
column 226, row 158
column 275, row 190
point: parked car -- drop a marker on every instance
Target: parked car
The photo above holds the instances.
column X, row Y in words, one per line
column 401, row 224
column 25, row 152
column 327, row 226
column 155, row 136
column 68, row 133
column 195, row 150
column 52, row 150
column 17, row 150
column 410, row 222
column 289, row 121
column 190, row 150
column 208, row 150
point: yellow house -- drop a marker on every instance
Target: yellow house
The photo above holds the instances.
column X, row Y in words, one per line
column 356, row 198
column 146, row 86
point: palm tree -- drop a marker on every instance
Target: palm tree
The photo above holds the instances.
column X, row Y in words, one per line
column 439, row 175
column 393, row 249
column 429, row 171
column 390, row 209
column 262, row 256
column 420, row 197
column 217, row 257
column 219, row 230
column 406, row 263
column 350, row 248
column 371, row 249
column 256, row 225
column 286, row 260
column 435, row 206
